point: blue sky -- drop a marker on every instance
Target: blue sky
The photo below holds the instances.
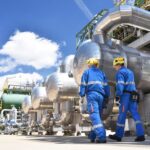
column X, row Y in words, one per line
column 50, row 22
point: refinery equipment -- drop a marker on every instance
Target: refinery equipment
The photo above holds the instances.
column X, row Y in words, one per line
column 11, row 106
column 25, row 128
column 42, row 111
column 8, row 121
column 26, row 104
column 52, row 106
column 37, row 111
column 11, row 113
column 121, row 31
column 100, row 38
column 62, row 91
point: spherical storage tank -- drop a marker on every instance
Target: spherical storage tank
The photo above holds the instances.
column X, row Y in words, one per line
column 26, row 104
column 12, row 99
column 38, row 95
column 61, row 86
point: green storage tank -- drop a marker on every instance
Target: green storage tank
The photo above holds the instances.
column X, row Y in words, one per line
column 12, row 99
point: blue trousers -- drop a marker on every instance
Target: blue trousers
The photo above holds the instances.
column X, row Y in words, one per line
column 126, row 104
column 94, row 107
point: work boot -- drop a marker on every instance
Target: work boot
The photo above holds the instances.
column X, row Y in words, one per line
column 100, row 141
column 115, row 137
column 140, row 138
column 92, row 141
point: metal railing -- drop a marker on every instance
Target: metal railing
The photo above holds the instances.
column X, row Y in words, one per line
column 87, row 31
column 145, row 4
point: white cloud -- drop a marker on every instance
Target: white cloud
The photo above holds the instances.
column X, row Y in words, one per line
column 64, row 43
column 84, row 9
column 27, row 48
column 20, row 79
column 20, row 69
column 7, row 65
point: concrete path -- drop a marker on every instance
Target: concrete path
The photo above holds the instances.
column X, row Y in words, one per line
column 13, row 142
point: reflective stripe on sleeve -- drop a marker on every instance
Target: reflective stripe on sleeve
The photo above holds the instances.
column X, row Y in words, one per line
column 94, row 82
column 120, row 82
column 120, row 125
column 137, row 122
column 125, row 83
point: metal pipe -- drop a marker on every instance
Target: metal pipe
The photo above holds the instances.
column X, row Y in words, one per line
column 13, row 110
column 2, row 112
column 123, row 14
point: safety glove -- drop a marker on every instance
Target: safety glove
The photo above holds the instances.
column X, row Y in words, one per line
column 117, row 100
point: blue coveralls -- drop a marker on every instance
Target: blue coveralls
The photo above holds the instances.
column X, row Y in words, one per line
column 94, row 85
column 125, row 82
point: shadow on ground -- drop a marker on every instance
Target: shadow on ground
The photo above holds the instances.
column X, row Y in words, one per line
column 127, row 141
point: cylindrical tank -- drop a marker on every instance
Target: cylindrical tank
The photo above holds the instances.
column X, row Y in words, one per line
column 61, row 86
column 26, row 104
column 86, row 50
column 67, row 65
column 38, row 95
column 12, row 99
column 137, row 61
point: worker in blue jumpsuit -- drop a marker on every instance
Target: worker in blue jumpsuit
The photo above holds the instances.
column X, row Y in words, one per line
column 127, row 96
column 95, row 87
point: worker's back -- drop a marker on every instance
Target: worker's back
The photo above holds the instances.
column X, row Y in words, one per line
column 95, row 80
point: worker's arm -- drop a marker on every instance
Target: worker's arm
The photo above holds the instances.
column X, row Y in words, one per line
column 120, row 83
column 83, row 85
